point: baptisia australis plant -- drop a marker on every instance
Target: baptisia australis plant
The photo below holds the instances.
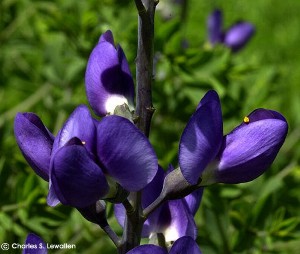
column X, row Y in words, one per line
column 90, row 161
column 235, row 38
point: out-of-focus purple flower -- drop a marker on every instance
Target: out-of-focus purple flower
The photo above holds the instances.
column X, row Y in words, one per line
column 214, row 27
column 108, row 80
column 34, row 245
column 235, row 38
column 183, row 245
column 241, row 156
column 250, row 148
column 238, row 35
column 173, row 218
column 83, row 153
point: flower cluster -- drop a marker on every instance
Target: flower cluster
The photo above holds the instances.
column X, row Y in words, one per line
column 89, row 157
column 235, row 38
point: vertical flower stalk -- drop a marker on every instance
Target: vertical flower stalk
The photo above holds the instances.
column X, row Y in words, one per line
column 144, row 63
column 144, row 110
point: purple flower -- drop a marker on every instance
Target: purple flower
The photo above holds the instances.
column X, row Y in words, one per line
column 34, row 245
column 84, row 153
column 235, row 38
column 238, row 35
column 108, row 79
column 183, row 245
column 214, row 27
column 241, row 156
column 173, row 219
column 250, row 148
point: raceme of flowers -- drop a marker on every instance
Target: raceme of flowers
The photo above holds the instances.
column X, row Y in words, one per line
column 91, row 159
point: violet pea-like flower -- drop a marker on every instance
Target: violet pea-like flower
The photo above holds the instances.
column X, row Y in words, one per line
column 250, row 149
column 235, row 38
column 173, row 219
column 75, row 177
column 108, row 80
column 240, row 156
column 183, row 245
column 43, row 153
column 122, row 152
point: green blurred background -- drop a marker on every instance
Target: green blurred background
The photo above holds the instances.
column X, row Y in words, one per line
column 44, row 47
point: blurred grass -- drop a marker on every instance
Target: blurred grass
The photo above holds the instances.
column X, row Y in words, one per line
column 44, row 47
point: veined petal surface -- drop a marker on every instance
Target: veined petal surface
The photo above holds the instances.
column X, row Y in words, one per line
column 125, row 153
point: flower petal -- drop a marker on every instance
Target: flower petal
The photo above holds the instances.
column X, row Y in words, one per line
column 125, row 153
column 35, row 142
column 77, row 179
column 185, row 245
column 52, row 199
column 214, row 27
column 80, row 124
column 108, row 79
column 181, row 222
column 148, row 249
column 238, row 35
column 149, row 194
column 201, row 138
column 193, row 200
column 252, row 147
column 107, row 37
column 34, row 240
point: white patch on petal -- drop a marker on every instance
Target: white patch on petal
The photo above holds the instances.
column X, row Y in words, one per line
column 171, row 234
column 113, row 101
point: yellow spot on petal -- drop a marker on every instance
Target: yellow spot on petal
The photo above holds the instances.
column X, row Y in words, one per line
column 246, row 119
column 83, row 142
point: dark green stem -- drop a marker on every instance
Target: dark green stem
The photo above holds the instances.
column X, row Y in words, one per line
column 133, row 225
